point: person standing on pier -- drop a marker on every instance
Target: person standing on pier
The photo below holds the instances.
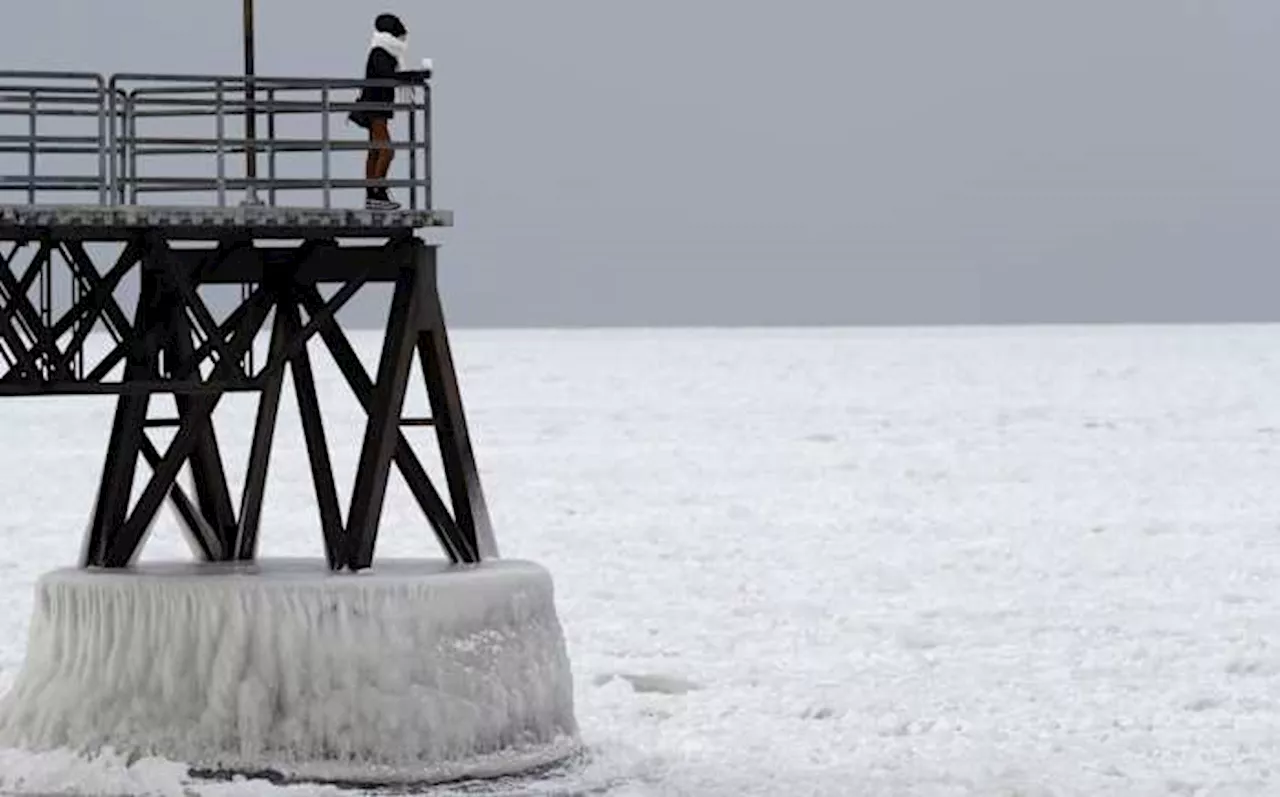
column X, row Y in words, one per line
column 385, row 62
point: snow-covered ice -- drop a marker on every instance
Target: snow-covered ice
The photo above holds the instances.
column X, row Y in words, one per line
column 414, row 671
column 1032, row 561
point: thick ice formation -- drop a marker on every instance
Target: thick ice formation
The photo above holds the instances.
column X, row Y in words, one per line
column 415, row 671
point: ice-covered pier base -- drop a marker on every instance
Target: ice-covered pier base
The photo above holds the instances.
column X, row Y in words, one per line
column 415, row 671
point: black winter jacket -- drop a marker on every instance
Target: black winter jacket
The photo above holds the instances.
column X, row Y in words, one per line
column 381, row 65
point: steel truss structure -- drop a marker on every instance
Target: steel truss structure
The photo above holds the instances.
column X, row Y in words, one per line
column 172, row 345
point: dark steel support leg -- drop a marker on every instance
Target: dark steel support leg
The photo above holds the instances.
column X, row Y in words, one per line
column 383, row 424
column 264, row 429
column 116, row 486
column 304, row 385
column 125, row 443
column 415, row 476
column 212, row 491
column 456, row 452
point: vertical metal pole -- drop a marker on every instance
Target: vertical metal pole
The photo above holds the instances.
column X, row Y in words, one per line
column 114, row 161
column 221, row 144
column 271, row 151
column 426, row 143
column 111, row 508
column 119, row 134
column 413, row 153
column 304, row 387
column 325, row 172
column 456, row 452
column 264, row 429
column 131, row 142
column 31, row 156
column 102, row 143
column 251, row 109
column 382, row 428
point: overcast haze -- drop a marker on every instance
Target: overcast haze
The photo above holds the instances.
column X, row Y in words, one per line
column 815, row 162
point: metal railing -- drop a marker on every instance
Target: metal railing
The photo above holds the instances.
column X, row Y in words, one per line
column 185, row 137
column 54, row 131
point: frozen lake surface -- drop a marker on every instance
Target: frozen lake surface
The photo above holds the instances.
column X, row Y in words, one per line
column 825, row 562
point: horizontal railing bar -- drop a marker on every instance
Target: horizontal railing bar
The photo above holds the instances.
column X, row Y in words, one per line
column 53, row 189
column 63, row 92
column 192, row 94
column 152, row 93
column 152, row 184
column 43, row 112
column 230, row 81
column 44, row 138
column 235, row 113
column 83, row 188
column 47, row 179
column 30, row 74
column 267, row 106
column 90, row 184
column 199, row 146
column 18, row 149
column 10, row 94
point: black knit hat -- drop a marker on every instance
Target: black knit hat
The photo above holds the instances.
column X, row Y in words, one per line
column 390, row 23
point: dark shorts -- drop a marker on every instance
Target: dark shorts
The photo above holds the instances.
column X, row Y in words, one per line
column 365, row 117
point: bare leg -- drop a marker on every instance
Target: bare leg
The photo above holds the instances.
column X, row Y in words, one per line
column 375, row 168
column 386, row 153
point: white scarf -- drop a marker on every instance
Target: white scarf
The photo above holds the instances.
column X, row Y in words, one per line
column 398, row 49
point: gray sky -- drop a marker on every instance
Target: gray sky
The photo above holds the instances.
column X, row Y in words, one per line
column 808, row 162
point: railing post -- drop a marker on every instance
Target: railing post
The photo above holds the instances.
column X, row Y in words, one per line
column 251, row 136
column 221, row 134
column 271, row 147
column 131, row 147
column 325, row 171
column 117, row 164
column 426, row 146
column 413, row 152
column 31, row 156
column 251, row 144
column 113, row 165
column 103, row 142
